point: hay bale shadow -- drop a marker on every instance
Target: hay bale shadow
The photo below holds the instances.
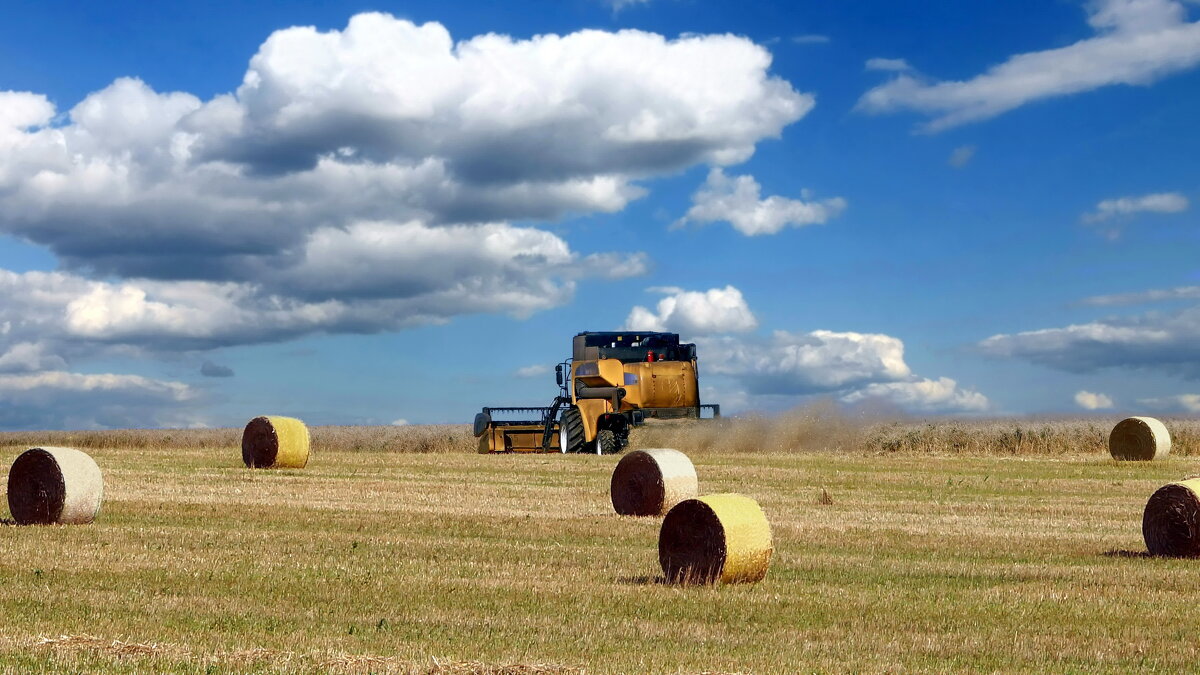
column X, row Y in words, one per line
column 1121, row 553
column 644, row 580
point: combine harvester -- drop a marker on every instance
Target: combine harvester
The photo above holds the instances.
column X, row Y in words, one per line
column 613, row 382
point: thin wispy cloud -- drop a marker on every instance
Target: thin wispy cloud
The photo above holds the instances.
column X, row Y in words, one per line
column 811, row 39
column 618, row 5
column 535, row 370
column 1185, row 403
column 1168, row 343
column 1137, row 42
column 1162, row 202
column 888, row 65
column 210, row 369
column 961, row 156
column 1144, row 297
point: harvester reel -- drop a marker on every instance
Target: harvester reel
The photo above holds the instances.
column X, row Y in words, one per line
column 570, row 431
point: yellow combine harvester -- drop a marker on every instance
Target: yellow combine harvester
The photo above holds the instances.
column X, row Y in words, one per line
column 613, row 381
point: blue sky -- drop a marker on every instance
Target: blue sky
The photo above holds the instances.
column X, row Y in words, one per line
column 364, row 213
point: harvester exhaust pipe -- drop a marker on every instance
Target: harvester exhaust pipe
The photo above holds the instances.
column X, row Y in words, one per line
column 614, row 394
column 600, row 392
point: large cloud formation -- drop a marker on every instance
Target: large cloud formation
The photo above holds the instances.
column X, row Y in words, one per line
column 358, row 180
column 384, row 122
column 1137, row 42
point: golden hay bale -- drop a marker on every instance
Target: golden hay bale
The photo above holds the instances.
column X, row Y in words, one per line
column 714, row 538
column 1171, row 522
column 1139, row 438
column 275, row 443
column 54, row 485
column 649, row 482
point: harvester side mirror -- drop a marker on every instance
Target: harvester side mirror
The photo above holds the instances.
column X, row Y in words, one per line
column 558, row 374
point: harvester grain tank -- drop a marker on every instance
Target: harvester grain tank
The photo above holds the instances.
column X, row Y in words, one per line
column 613, row 381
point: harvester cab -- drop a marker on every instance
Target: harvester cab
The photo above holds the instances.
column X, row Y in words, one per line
column 613, row 381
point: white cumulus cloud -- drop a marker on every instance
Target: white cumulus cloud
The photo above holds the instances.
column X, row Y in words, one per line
column 806, row 363
column 1137, row 42
column 737, row 200
column 695, row 313
column 923, row 395
column 1092, row 401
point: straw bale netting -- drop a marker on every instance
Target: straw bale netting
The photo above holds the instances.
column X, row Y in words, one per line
column 649, row 482
column 1171, row 522
column 1139, row 438
column 275, row 443
column 54, row 485
column 723, row 538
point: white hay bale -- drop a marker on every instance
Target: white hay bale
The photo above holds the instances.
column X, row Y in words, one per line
column 1139, row 439
column 54, row 485
column 650, row 482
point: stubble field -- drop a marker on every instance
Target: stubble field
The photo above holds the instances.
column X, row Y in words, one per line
column 995, row 546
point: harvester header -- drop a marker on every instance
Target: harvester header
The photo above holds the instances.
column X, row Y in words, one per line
column 613, row 381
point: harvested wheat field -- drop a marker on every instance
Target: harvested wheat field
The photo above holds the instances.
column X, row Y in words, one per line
column 400, row 550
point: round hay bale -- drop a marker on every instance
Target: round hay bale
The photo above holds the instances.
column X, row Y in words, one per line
column 275, row 443
column 650, row 482
column 1139, row 439
column 1171, row 522
column 54, row 485
column 723, row 538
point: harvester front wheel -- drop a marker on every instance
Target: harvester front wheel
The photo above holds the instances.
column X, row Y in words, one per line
column 570, row 431
column 605, row 443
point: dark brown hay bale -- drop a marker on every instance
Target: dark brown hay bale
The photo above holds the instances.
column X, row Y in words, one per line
column 1171, row 521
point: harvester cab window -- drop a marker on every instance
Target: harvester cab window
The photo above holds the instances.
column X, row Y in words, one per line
column 632, row 347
